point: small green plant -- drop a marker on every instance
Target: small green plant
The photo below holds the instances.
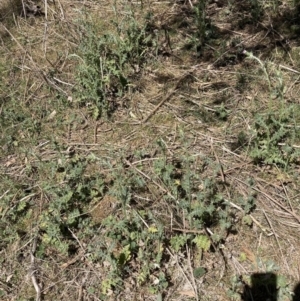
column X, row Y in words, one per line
column 275, row 134
column 222, row 113
column 204, row 207
column 131, row 241
column 69, row 193
column 65, row 214
column 276, row 129
column 201, row 23
column 107, row 61
column 204, row 29
column 256, row 10
column 179, row 241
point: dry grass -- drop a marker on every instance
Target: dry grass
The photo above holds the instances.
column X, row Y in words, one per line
column 175, row 99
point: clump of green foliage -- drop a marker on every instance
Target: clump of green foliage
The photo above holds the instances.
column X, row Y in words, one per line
column 141, row 235
column 256, row 10
column 276, row 129
column 275, row 134
column 204, row 29
column 108, row 61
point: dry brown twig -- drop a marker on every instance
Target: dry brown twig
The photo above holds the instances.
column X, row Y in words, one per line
column 253, row 219
column 179, row 81
column 80, row 293
column 276, row 238
column 273, row 200
column 188, row 251
column 180, row 267
column 33, row 270
column 218, row 160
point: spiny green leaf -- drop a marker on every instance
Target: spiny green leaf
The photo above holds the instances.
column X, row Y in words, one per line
column 202, row 242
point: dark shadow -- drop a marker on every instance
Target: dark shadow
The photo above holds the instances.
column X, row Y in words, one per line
column 296, row 296
column 264, row 287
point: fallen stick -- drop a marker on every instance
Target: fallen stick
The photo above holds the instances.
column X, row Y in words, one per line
column 179, row 81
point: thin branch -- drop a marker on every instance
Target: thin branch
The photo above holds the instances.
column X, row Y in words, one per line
column 33, row 270
column 179, row 81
